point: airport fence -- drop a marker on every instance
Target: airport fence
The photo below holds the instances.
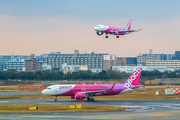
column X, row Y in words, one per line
column 32, row 87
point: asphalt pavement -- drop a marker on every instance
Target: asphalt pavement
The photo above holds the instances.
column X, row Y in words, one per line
column 139, row 109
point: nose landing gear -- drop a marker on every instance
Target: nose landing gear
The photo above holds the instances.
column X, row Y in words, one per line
column 55, row 100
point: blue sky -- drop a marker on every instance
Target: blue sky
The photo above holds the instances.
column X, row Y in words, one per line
column 144, row 10
column 43, row 26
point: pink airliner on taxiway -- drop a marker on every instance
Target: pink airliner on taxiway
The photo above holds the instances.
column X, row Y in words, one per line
column 80, row 92
column 101, row 29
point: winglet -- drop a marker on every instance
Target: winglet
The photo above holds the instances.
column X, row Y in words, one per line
column 113, row 86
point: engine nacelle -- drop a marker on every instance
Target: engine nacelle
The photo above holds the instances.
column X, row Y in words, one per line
column 72, row 97
column 99, row 33
column 80, row 96
column 115, row 33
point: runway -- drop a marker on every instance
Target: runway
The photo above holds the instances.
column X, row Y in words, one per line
column 139, row 109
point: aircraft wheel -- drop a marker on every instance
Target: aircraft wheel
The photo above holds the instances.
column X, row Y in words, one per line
column 117, row 36
column 88, row 99
column 92, row 99
column 106, row 36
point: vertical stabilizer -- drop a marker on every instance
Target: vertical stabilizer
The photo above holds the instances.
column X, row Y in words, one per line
column 134, row 78
column 128, row 26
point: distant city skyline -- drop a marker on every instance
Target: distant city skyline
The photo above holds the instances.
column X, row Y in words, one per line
column 43, row 26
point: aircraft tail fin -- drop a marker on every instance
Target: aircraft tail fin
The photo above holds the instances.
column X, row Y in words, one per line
column 128, row 26
column 134, row 78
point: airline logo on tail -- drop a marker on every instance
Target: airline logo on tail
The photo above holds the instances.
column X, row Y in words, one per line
column 132, row 79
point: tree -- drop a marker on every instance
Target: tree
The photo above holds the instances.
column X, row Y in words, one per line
column 102, row 75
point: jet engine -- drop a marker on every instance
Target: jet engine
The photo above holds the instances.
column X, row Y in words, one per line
column 79, row 96
column 115, row 33
column 99, row 33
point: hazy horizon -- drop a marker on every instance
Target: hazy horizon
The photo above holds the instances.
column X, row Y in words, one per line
column 41, row 27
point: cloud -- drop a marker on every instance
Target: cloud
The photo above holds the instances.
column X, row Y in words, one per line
column 48, row 34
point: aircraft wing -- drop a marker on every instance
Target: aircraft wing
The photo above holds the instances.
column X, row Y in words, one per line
column 93, row 92
column 129, row 30
column 136, row 87
column 99, row 91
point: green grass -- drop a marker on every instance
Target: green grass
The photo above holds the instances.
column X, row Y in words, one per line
column 23, row 108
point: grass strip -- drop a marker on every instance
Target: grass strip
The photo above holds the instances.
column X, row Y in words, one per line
column 23, row 108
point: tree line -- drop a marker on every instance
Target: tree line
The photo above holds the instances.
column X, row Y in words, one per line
column 56, row 74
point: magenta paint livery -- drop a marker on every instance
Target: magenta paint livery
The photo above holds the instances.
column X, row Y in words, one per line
column 104, row 29
column 79, row 92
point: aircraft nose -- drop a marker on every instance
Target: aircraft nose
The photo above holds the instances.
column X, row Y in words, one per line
column 43, row 92
column 95, row 28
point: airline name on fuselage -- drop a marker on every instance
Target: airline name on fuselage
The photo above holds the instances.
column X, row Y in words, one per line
column 65, row 87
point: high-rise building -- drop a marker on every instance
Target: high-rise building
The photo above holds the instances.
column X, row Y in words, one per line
column 142, row 58
column 177, row 55
column 92, row 60
column 32, row 65
column 169, row 63
column 41, row 58
column 109, row 60
column 131, row 61
column 121, row 61
column 16, row 64
column 169, row 57
column 126, row 61
column 5, row 58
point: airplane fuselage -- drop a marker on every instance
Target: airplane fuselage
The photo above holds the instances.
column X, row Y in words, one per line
column 79, row 92
column 101, row 29
column 104, row 29
column 71, row 90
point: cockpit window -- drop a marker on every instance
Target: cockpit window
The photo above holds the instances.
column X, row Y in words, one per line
column 48, row 88
column 97, row 26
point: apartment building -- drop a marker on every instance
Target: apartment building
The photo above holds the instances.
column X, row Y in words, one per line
column 169, row 63
column 33, row 65
column 16, row 64
column 92, row 60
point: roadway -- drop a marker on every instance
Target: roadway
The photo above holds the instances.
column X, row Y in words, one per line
column 139, row 109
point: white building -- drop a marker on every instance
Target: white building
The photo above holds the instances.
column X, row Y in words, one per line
column 71, row 68
column 76, row 68
column 16, row 64
column 46, row 67
column 169, row 63
column 96, row 70
column 131, row 69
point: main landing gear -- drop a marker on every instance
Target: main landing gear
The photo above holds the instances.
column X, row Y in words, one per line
column 55, row 100
column 107, row 36
column 90, row 99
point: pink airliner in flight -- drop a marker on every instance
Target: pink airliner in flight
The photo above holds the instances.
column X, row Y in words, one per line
column 101, row 29
column 80, row 92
